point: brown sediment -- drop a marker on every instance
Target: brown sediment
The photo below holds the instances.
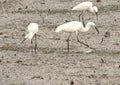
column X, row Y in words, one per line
column 98, row 0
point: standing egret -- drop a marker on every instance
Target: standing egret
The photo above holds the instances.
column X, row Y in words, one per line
column 32, row 29
column 86, row 6
column 75, row 26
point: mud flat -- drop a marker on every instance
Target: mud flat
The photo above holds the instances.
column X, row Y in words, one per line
column 52, row 65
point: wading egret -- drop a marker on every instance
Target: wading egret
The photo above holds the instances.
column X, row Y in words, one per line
column 32, row 29
column 75, row 26
column 86, row 6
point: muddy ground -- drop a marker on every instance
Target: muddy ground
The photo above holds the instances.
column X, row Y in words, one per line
column 52, row 65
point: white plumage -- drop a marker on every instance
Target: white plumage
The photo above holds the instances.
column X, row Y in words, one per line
column 32, row 29
column 75, row 26
column 86, row 6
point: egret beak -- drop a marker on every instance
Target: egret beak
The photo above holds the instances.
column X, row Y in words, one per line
column 96, row 13
column 97, row 30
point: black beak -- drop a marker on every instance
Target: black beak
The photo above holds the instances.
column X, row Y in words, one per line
column 97, row 30
column 96, row 13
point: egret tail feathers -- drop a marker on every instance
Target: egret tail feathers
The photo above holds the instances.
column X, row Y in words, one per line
column 58, row 29
column 74, row 8
column 29, row 36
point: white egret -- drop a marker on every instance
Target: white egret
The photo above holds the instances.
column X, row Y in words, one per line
column 75, row 26
column 86, row 6
column 32, row 29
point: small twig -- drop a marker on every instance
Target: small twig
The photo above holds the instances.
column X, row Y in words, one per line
column 37, row 77
column 102, row 60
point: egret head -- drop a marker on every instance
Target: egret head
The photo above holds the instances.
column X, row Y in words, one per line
column 96, row 11
column 33, row 27
column 93, row 25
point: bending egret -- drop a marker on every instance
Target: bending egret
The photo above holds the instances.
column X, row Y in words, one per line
column 32, row 29
column 86, row 6
column 75, row 26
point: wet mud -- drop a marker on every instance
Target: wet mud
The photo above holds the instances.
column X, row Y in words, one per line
column 52, row 65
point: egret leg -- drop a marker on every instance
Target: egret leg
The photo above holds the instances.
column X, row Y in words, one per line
column 68, row 42
column 35, row 43
column 83, row 21
column 96, row 16
column 23, row 40
column 83, row 43
column 32, row 45
column 81, row 15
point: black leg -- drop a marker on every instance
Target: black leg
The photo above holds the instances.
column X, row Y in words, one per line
column 83, row 43
column 81, row 15
column 68, row 42
column 35, row 43
column 23, row 40
column 32, row 45
column 83, row 21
